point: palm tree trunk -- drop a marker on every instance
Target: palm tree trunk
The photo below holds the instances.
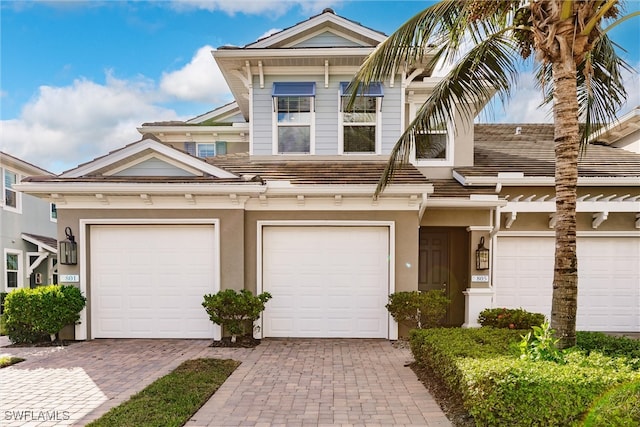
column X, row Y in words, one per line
column 567, row 145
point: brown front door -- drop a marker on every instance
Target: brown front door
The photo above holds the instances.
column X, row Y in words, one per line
column 444, row 264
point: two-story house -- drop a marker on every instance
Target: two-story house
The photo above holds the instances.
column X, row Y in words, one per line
column 274, row 192
column 27, row 230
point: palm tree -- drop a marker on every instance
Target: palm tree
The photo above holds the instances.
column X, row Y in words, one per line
column 577, row 67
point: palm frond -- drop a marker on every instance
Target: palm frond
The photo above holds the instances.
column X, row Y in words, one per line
column 601, row 91
column 489, row 67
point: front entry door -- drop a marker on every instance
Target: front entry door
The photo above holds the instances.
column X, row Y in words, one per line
column 434, row 260
column 444, row 264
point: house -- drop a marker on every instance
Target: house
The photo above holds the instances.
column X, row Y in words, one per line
column 274, row 192
column 625, row 133
column 27, row 230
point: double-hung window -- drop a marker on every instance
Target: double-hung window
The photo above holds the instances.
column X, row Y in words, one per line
column 360, row 122
column 11, row 196
column 13, row 268
column 293, row 118
column 434, row 147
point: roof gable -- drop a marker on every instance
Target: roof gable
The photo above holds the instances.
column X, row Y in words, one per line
column 147, row 157
column 20, row 166
column 347, row 30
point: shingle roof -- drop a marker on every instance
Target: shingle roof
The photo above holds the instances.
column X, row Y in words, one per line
column 316, row 172
column 447, row 188
column 49, row 241
column 499, row 149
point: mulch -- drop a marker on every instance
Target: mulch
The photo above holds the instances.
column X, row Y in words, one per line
column 244, row 341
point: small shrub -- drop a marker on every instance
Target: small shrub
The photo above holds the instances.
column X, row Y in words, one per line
column 235, row 311
column 510, row 318
column 541, row 345
column 418, row 309
column 3, row 295
column 32, row 314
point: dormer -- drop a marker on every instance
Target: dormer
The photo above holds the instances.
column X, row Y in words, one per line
column 291, row 87
column 217, row 132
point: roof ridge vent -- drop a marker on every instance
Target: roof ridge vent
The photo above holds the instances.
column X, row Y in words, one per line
column 518, row 130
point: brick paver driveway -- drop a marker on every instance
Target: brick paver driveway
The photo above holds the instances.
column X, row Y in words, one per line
column 280, row 382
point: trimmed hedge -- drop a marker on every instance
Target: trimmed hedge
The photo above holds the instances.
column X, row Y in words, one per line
column 510, row 318
column 497, row 388
column 32, row 315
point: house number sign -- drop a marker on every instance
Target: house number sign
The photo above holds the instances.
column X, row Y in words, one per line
column 481, row 278
column 69, row 278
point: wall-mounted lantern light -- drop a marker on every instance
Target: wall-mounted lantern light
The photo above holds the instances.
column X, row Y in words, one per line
column 482, row 256
column 68, row 249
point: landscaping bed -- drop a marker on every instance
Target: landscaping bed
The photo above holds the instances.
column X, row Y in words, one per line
column 480, row 371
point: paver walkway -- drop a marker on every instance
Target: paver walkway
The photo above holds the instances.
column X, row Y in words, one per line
column 280, row 382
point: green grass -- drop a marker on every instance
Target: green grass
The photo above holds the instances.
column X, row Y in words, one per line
column 9, row 360
column 172, row 399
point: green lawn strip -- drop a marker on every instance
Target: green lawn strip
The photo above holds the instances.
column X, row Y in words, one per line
column 9, row 360
column 172, row 399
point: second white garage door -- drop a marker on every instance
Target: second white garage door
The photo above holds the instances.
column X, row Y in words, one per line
column 326, row 282
column 148, row 281
column 608, row 279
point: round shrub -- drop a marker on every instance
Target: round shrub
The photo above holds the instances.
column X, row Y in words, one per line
column 510, row 318
column 235, row 311
column 418, row 309
column 33, row 314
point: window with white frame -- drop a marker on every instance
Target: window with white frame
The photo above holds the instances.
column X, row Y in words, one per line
column 293, row 117
column 11, row 196
column 434, row 146
column 360, row 121
column 53, row 212
column 13, row 268
column 206, row 149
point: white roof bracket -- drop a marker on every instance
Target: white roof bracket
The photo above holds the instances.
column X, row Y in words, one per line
column 599, row 218
column 102, row 198
column 41, row 256
column 638, row 220
column 511, row 217
column 553, row 218
column 261, row 71
column 146, row 198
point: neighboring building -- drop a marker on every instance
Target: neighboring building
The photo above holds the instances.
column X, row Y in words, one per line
column 625, row 133
column 289, row 208
column 27, row 230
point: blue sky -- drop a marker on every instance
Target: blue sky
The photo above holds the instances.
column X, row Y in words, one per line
column 76, row 78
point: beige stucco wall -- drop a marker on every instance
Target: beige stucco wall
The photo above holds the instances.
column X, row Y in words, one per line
column 406, row 239
column 456, row 217
column 231, row 231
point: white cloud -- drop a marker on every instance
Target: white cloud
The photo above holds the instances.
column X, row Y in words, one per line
column 65, row 126
column 200, row 80
column 255, row 7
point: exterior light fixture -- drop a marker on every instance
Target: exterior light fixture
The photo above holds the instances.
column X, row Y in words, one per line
column 482, row 256
column 68, row 249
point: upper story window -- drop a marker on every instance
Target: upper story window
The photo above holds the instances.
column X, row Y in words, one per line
column 53, row 212
column 11, row 196
column 434, row 148
column 206, row 149
column 294, row 117
column 360, row 122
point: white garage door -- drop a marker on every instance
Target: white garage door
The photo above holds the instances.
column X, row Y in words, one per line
column 326, row 282
column 148, row 281
column 608, row 279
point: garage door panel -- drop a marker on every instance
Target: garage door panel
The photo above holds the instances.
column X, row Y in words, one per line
column 608, row 277
column 330, row 277
column 152, row 288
